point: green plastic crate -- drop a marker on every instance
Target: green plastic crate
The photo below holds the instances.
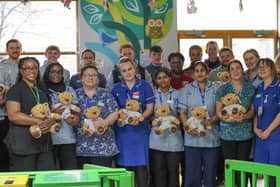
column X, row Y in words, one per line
column 252, row 168
column 91, row 175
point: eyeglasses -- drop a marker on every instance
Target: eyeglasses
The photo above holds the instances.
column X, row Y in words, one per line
column 90, row 75
column 56, row 72
column 30, row 68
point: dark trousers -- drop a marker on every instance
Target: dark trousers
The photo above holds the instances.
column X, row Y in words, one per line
column 141, row 174
column 4, row 153
column 101, row 161
column 34, row 162
column 237, row 150
column 65, row 156
column 220, row 168
column 201, row 166
column 165, row 168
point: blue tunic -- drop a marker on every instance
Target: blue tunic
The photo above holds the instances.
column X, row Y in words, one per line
column 192, row 97
column 269, row 101
column 167, row 141
column 97, row 145
column 133, row 141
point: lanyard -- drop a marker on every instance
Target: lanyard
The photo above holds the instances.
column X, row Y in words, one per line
column 160, row 97
column 203, row 96
column 36, row 95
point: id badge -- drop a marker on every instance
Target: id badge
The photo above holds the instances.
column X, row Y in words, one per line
column 260, row 111
column 170, row 102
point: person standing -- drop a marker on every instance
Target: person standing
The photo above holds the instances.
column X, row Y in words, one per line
column 236, row 131
column 212, row 50
column 87, row 58
column 178, row 78
column 133, row 138
column 52, row 54
column 141, row 73
column 166, row 148
column 251, row 58
column 8, row 75
column 267, row 118
column 26, row 152
column 65, row 140
column 201, row 151
column 99, row 149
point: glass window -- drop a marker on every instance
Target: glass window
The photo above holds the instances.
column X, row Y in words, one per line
column 226, row 15
column 39, row 24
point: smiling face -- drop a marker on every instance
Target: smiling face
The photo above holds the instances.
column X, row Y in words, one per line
column 127, row 70
column 251, row 61
column 176, row 64
column 55, row 74
column 200, row 73
column 235, row 70
column 29, row 71
column 163, row 80
column 52, row 55
column 14, row 50
column 90, row 78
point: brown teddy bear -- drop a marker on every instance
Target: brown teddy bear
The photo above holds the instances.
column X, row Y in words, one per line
column 92, row 114
column 165, row 120
column 131, row 110
column 65, row 99
column 231, row 106
column 198, row 114
column 42, row 111
column 3, row 91
column 223, row 76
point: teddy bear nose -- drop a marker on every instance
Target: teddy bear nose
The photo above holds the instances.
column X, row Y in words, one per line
column 67, row 100
column 164, row 111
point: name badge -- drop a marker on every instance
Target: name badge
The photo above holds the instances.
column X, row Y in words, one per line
column 135, row 95
column 100, row 104
column 170, row 101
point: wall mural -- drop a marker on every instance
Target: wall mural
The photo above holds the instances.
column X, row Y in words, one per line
column 107, row 24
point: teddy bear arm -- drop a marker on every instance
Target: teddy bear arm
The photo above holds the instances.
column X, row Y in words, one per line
column 56, row 116
column 35, row 131
column 55, row 128
column 155, row 122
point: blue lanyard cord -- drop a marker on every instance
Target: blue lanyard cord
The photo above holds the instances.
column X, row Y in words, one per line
column 203, row 96
column 160, row 96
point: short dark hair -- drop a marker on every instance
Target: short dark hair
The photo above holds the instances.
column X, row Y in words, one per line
column 20, row 65
column 126, row 46
column 204, row 65
column 156, row 49
column 53, row 47
column 88, row 67
column 176, row 54
column 12, row 41
column 90, row 51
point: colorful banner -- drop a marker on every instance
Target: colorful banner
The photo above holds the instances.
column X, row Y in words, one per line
column 105, row 25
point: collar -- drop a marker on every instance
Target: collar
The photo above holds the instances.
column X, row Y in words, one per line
column 138, row 83
column 170, row 90
column 208, row 84
column 274, row 83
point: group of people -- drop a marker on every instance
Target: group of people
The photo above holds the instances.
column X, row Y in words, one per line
column 155, row 158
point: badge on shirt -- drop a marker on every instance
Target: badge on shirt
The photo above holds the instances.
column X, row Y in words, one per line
column 135, row 95
column 169, row 101
column 100, row 103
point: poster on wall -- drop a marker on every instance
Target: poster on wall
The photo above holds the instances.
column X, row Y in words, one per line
column 105, row 25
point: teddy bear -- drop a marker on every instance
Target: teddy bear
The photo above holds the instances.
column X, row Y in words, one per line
column 231, row 106
column 3, row 91
column 198, row 114
column 165, row 120
column 223, row 76
column 131, row 110
column 42, row 111
column 92, row 114
column 65, row 99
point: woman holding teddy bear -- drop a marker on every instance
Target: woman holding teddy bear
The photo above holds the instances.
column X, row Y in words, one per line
column 201, row 134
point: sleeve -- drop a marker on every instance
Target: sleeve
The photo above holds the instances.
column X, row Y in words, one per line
column 72, row 91
column 72, row 80
column 14, row 94
column 102, row 80
column 110, row 81
column 148, row 77
column 67, row 77
column 182, row 98
column 220, row 93
column 149, row 94
column 213, row 76
column 111, row 103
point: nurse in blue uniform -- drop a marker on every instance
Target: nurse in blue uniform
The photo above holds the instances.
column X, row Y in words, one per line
column 133, row 139
column 267, row 119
